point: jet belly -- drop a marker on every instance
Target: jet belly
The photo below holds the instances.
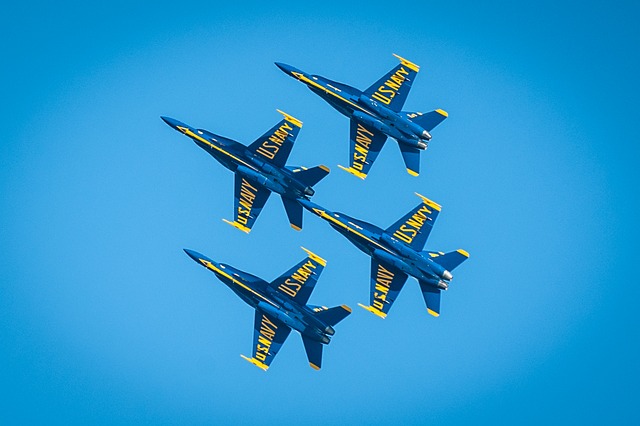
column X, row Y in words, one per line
column 267, row 181
column 287, row 317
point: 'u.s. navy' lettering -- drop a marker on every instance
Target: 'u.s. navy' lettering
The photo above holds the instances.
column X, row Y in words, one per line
column 384, row 278
column 247, row 196
column 291, row 286
column 271, row 146
column 363, row 141
column 267, row 333
column 389, row 89
column 412, row 226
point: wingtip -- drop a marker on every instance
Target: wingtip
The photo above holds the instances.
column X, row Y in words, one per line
column 433, row 313
column 290, row 118
column 413, row 172
column 408, row 63
column 353, row 171
column 315, row 257
column 237, row 226
column 463, row 252
column 260, row 365
column 315, row 367
column 442, row 112
column 346, row 308
column 325, row 168
column 373, row 310
column 429, row 202
column 296, row 227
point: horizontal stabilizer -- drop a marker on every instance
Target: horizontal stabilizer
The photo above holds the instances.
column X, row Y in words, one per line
column 294, row 213
column 411, row 157
column 314, row 352
column 431, row 296
column 428, row 120
column 451, row 260
column 334, row 315
column 311, row 176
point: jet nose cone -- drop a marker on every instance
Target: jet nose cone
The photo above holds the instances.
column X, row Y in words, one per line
column 172, row 122
column 193, row 254
column 287, row 69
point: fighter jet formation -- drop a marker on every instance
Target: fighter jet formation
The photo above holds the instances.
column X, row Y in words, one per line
column 396, row 252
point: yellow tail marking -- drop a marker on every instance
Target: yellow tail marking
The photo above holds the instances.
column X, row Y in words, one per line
column 412, row 172
column 353, row 172
column 463, row 252
column 373, row 310
column 434, row 313
column 238, row 225
column 325, row 168
column 407, row 63
column 430, row 203
column 291, row 119
column 315, row 257
column 315, row 367
column 296, row 227
column 255, row 362
column 346, row 308
column 442, row 112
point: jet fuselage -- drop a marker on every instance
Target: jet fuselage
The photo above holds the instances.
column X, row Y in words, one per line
column 376, row 243
column 258, row 294
column 352, row 102
column 237, row 158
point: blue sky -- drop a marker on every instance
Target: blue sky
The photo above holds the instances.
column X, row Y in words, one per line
column 103, row 319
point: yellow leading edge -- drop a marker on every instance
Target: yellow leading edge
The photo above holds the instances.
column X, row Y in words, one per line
column 407, row 63
column 238, row 225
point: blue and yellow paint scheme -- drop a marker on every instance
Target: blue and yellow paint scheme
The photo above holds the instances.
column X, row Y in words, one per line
column 396, row 253
column 260, row 169
column 376, row 114
column 281, row 305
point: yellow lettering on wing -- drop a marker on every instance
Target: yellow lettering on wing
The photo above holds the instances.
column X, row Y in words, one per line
column 247, row 197
column 390, row 88
column 384, row 278
column 292, row 285
column 412, row 226
column 265, row 338
column 363, row 142
column 272, row 144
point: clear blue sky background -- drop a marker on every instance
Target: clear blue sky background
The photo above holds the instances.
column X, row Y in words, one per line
column 103, row 319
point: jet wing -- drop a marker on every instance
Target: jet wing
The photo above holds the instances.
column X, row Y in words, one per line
column 249, row 201
column 365, row 145
column 393, row 88
column 298, row 282
column 414, row 227
column 386, row 283
column 269, row 334
column 275, row 145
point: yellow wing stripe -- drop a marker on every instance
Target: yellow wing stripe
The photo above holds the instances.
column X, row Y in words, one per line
column 211, row 266
column 325, row 168
column 256, row 362
column 434, row 313
column 430, row 203
column 296, row 227
column 330, row 218
column 353, row 172
column 373, row 310
column 412, row 173
column 238, row 225
column 314, row 84
column 442, row 112
column 315, row 367
column 315, row 257
column 291, row 119
column 407, row 63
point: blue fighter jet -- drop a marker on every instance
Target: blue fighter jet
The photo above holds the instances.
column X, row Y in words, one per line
column 376, row 114
column 396, row 253
column 260, row 169
column 281, row 306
